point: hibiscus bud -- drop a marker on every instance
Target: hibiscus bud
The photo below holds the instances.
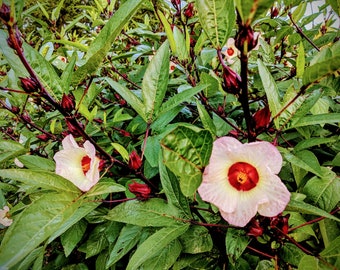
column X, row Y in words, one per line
column 274, row 12
column 15, row 109
column 231, row 81
column 43, row 137
column 189, row 11
column 135, row 162
column 26, row 117
column 285, row 225
column 246, row 35
column 72, row 129
column 15, row 43
column 29, row 85
column 255, row 229
column 142, row 191
column 262, row 118
column 68, row 103
column 5, row 13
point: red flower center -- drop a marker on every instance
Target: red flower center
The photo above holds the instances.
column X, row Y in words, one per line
column 243, row 176
column 86, row 164
column 230, row 51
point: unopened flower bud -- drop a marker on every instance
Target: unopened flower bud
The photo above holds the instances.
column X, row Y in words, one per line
column 255, row 229
column 5, row 13
column 68, row 103
column 29, row 85
column 231, row 81
column 43, row 137
column 246, row 35
column 72, row 129
column 262, row 119
column 142, row 191
column 189, row 11
column 15, row 109
column 26, row 117
column 135, row 162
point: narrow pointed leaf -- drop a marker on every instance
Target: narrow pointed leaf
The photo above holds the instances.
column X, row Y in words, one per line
column 154, row 244
column 217, row 18
column 102, row 44
column 155, row 82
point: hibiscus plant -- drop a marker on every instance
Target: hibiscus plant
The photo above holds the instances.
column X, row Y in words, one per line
column 158, row 134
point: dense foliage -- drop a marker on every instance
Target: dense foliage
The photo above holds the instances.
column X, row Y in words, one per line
column 151, row 85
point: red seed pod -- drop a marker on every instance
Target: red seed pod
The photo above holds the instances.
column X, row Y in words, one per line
column 189, row 11
column 15, row 109
column 72, row 129
column 231, row 81
column 246, row 35
column 135, row 162
column 5, row 13
column 43, row 137
column 68, row 103
column 26, row 117
column 142, row 191
column 262, row 119
column 255, row 229
column 29, row 85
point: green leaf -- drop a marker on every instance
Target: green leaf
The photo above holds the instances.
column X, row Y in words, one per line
column 40, row 178
column 271, row 89
column 305, row 208
column 299, row 11
column 308, row 143
column 196, row 239
column 154, row 244
column 103, row 42
column 325, row 191
column 181, row 49
column 35, row 224
column 105, row 186
column 155, row 82
column 217, row 18
column 36, row 162
column 304, row 232
column 166, row 258
column 249, row 10
column 12, row 59
column 300, row 61
column 185, row 153
column 127, row 239
column 10, row 149
column 236, row 242
column 309, row 262
column 81, row 212
column 172, row 189
column 154, row 212
column 321, row 69
column 72, row 236
column 305, row 160
column 333, row 250
column 168, row 31
column 207, row 122
column 319, row 119
column 129, row 96
column 184, row 96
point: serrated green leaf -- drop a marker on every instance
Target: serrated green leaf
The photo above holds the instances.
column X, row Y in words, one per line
column 154, row 244
column 44, row 216
column 185, row 153
column 103, row 42
column 177, row 99
column 172, row 190
column 166, row 258
column 105, row 186
column 196, row 239
column 299, row 11
column 236, row 242
column 36, row 162
column 129, row 96
column 321, row 69
column 305, row 208
column 300, row 61
column 308, row 143
column 217, row 18
column 271, row 89
column 155, row 82
column 319, row 119
column 305, row 160
column 72, row 236
column 10, row 149
column 168, row 31
column 154, row 212
column 324, row 192
column 180, row 41
column 40, row 178
column 127, row 239
column 207, row 122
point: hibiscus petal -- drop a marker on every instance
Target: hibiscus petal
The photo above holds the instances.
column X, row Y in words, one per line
column 221, row 194
column 246, row 209
column 277, row 194
column 69, row 142
column 264, row 153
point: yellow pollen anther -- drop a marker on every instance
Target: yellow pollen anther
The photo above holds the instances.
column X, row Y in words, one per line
column 242, row 177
